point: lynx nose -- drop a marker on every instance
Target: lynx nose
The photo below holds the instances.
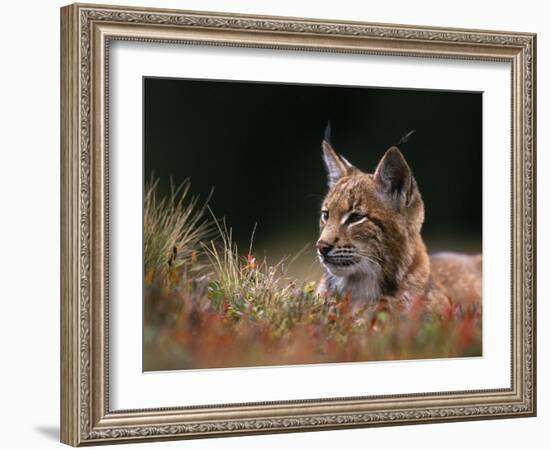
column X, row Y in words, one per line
column 324, row 247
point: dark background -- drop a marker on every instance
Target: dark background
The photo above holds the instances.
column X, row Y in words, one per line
column 259, row 146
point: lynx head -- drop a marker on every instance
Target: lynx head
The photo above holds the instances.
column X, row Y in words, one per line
column 370, row 223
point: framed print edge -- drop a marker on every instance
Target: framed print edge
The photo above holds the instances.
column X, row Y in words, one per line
column 86, row 32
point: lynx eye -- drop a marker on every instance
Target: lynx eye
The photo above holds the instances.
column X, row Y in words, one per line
column 355, row 217
column 324, row 215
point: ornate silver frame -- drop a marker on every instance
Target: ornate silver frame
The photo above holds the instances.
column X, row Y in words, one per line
column 86, row 31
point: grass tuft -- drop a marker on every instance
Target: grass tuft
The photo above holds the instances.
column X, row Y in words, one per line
column 173, row 229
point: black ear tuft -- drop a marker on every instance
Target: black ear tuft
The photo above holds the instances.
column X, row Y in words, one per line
column 405, row 138
column 328, row 131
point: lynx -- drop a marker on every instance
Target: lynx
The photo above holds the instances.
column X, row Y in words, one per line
column 370, row 244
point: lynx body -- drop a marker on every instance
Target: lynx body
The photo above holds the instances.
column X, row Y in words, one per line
column 371, row 246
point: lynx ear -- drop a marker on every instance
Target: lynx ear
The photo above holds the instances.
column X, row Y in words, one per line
column 337, row 166
column 395, row 177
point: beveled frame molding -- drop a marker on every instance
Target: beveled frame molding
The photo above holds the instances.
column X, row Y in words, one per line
column 86, row 31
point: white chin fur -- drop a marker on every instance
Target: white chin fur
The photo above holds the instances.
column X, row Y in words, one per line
column 361, row 280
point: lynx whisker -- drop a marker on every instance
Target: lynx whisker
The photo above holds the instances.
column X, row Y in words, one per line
column 373, row 259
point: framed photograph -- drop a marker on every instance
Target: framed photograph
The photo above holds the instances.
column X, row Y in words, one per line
column 274, row 224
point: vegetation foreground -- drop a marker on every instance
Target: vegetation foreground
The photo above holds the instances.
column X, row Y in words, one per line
column 205, row 306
